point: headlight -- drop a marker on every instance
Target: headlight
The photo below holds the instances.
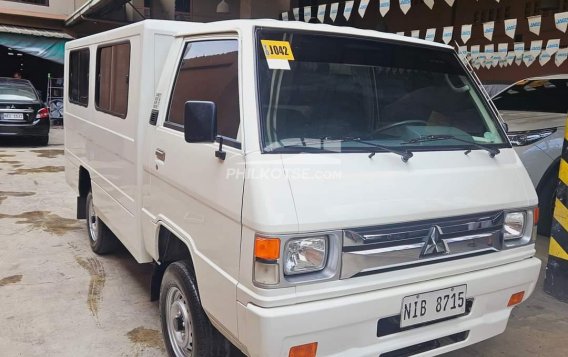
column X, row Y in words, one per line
column 514, row 225
column 529, row 137
column 305, row 255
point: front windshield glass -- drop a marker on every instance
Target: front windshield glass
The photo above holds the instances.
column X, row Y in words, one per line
column 333, row 92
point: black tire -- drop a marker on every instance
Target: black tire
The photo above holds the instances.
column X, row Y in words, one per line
column 179, row 291
column 546, row 199
column 101, row 239
column 41, row 140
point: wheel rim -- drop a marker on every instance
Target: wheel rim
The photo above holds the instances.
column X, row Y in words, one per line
column 178, row 318
column 93, row 220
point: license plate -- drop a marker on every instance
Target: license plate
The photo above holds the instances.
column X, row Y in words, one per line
column 434, row 305
column 13, row 116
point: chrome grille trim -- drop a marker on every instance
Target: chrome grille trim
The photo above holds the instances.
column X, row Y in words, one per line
column 375, row 249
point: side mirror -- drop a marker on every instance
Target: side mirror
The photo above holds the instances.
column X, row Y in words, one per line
column 200, row 122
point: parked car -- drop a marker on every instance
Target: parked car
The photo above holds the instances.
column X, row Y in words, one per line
column 301, row 188
column 22, row 112
column 535, row 110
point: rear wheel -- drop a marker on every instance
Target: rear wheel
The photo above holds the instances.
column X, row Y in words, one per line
column 42, row 140
column 100, row 237
column 185, row 326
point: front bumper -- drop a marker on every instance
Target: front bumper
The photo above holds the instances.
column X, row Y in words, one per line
column 347, row 326
column 39, row 127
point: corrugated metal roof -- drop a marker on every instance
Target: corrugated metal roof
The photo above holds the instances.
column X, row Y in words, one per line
column 34, row 32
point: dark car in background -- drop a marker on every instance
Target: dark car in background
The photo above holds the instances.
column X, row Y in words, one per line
column 22, row 112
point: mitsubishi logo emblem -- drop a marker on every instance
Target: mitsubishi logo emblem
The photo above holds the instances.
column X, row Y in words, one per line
column 434, row 244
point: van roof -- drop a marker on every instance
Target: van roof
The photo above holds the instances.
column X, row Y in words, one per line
column 181, row 28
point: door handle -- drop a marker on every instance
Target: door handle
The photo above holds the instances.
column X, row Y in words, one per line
column 160, row 154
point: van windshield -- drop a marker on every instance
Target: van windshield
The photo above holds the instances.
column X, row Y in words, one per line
column 326, row 91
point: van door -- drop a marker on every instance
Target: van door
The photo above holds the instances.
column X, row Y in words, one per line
column 192, row 191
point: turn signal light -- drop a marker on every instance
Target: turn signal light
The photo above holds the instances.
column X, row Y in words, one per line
column 43, row 113
column 536, row 215
column 266, row 248
column 516, row 299
column 308, row 350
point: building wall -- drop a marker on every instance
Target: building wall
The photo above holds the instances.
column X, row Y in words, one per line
column 57, row 9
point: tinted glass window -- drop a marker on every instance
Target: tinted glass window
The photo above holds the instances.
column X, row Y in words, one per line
column 209, row 72
column 79, row 77
column 17, row 92
column 316, row 88
column 113, row 70
column 547, row 96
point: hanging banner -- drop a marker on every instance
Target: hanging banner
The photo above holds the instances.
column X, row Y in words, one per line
column 510, row 58
column 510, row 27
column 528, row 58
column 321, row 13
column 475, row 52
column 462, row 53
column 489, row 53
column 466, row 33
column 429, row 3
column 450, row 2
column 296, row 12
column 544, row 58
column 519, row 49
column 447, row 34
column 552, row 46
column 502, row 50
column 333, row 11
column 488, row 29
column 405, row 5
column 363, row 5
column 348, row 9
column 561, row 56
column 518, row 60
column 285, row 16
column 307, row 13
column 536, row 48
column 561, row 20
column 430, row 34
column 534, row 24
column 401, row 33
column 415, row 33
column 384, row 6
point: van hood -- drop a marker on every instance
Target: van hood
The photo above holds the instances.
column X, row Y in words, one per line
column 334, row 191
column 525, row 121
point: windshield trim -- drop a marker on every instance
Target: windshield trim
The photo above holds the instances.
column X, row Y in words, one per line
column 419, row 148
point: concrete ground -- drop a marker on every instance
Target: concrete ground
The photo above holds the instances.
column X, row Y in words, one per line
column 59, row 299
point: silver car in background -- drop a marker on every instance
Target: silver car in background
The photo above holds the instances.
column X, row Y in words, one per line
column 535, row 111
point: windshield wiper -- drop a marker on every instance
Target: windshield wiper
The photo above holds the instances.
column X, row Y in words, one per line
column 422, row 139
column 405, row 155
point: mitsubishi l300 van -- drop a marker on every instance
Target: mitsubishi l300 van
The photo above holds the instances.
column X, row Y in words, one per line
column 302, row 190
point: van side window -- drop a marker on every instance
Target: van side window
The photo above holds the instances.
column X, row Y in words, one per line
column 209, row 71
column 113, row 70
column 79, row 77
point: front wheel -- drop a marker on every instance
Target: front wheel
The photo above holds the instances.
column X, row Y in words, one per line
column 185, row 326
column 100, row 237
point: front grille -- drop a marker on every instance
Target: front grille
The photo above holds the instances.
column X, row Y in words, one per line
column 378, row 249
column 428, row 345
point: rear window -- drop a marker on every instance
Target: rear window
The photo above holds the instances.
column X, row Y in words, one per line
column 17, row 92
column 547, row 96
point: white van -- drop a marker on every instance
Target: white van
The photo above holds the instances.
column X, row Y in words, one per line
column 303, row 190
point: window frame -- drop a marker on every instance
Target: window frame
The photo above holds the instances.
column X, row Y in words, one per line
column 71, row 100
column 97, row 82
column 227, row 141
column 46, row 2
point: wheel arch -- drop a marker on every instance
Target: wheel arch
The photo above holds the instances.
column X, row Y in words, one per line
column 84, row 187
column 171, row 248
column 550, row 173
